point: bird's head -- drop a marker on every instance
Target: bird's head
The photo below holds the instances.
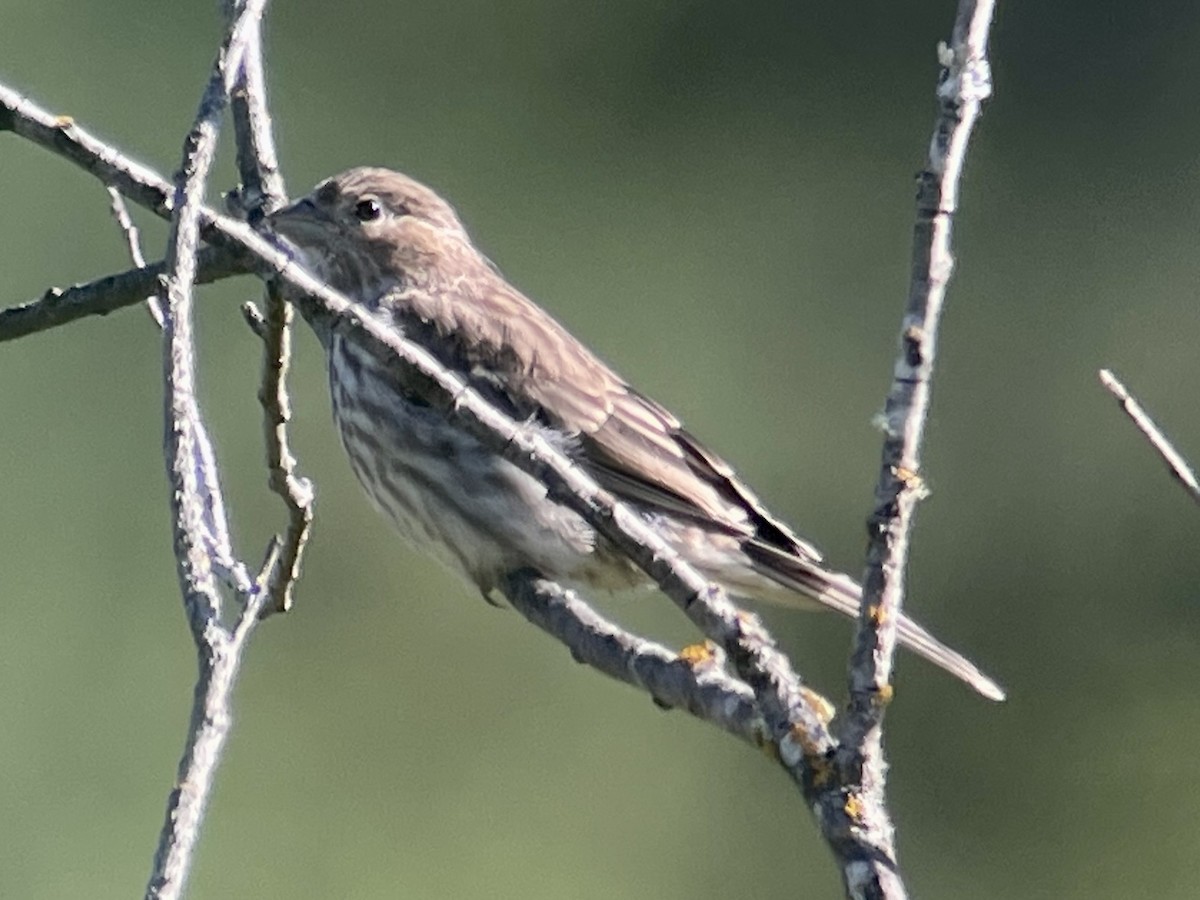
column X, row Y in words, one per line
column 369, row 230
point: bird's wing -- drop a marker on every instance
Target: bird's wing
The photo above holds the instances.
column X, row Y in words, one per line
column 520, row 357
column 639, row 450
column 531, row 366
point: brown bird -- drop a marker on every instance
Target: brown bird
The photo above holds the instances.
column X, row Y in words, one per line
column 398, row 248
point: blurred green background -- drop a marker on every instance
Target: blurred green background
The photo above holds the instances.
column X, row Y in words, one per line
column 719, row 199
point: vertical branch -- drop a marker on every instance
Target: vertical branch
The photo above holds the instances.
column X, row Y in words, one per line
column 261, row 193
column 215, row 525
column 275, row 330
column 262, row 189
column 195, row 495
column 964, row 84
column 262, row 182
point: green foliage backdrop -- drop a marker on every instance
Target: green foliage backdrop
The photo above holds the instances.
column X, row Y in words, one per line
column 718, row 198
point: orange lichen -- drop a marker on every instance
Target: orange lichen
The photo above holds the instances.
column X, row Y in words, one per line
column 696, row 655
column 825, row 710
column 855, row 808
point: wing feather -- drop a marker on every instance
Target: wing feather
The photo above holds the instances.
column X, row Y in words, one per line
column 522, row 358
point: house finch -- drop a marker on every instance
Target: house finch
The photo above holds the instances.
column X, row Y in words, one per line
column 399, row 249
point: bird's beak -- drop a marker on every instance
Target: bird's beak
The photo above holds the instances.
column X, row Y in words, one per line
column 295, row 219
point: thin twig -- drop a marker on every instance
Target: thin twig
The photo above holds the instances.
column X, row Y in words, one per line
column 133, row 242
column 262, row 192
column 1174, row 460
column 262, row 188
column 61, row 306
column 275, row 329
column 964, row 84
column 204, row 463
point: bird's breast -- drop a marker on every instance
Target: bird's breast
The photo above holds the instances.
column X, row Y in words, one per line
column 445, row 492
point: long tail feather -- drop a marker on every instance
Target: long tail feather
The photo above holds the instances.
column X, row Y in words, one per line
column 841, row 593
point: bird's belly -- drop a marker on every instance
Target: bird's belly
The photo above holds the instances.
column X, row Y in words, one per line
column 447, row 494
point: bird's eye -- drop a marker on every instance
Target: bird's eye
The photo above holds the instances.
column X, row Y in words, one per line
column 368, row 209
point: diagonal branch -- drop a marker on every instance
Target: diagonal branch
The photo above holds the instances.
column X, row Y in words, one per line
column 1179, row 468
column 133, row 241
column 795, row 722
column 701, row 686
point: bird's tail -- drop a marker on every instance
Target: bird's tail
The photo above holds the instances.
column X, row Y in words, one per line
column 833, row 590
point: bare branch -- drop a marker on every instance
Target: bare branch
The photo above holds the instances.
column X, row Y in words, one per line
column 134, row 242
column 841, row 781
column 696, row 682
column 133, row 238
column 1175, row 462
column 61, row 306
column 964, row 84
column 197, row 506
column 145, row 187
column 275, row 330
column 262, row 190
column 215, row 524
